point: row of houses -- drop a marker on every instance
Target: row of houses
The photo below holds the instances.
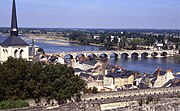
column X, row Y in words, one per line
column 116, row 78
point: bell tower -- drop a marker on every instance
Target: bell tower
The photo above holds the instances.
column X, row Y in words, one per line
column 14, row 27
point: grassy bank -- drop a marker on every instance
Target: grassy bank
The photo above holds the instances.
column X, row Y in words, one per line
column 8, row 104
column 177, row 57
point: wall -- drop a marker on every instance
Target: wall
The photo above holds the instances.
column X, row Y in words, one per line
column 116, row 105
column 141, row 92
column 10, row 52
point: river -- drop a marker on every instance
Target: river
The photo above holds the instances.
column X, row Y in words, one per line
column 142, row 65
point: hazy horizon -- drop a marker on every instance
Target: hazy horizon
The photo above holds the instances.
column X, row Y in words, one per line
column 94, row 14
column 92, row 28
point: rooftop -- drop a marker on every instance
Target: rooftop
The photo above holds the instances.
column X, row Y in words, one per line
column 123, row 74
column 14, row 41
column 158, row 71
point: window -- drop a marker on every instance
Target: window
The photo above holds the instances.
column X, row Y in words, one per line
column 20, row 54
column 15, row 53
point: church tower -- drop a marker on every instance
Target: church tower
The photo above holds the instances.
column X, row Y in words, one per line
column 14, row 46
column 14, row 27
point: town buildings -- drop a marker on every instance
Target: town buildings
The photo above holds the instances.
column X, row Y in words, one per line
column 162, row 77
column 117, row 79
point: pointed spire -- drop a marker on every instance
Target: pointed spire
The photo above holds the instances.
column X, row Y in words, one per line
column 14, row 27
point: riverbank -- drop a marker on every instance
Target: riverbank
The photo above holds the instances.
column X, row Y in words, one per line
column 177, row 56
column 62, row 41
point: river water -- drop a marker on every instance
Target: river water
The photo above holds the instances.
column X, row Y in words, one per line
column 142, row 65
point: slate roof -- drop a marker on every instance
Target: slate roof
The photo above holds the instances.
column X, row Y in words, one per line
column 53, row 58
column 14, row 41
column 162, row 73
column 124, row 74
column 78, row 70
column 89, row 62
column 2, row 38
column 172, row 83
column 159, row 72
column 143, row 86
column 86, row 76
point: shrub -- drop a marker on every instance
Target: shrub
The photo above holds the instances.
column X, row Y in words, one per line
column 8, row 104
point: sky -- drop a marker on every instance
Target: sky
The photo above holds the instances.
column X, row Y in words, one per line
column 119, row 14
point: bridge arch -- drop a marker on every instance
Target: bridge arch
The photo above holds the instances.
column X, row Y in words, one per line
column 103, row 55
column 134, row 55
column 92, row 56
column 144, row 55
column 114, row 55
column 164, row 54
column 120, row 54
column 124, row 55
column 154, row 54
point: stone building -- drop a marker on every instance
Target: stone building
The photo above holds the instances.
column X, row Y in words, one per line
column 162, row 77
column 119, row 80
column 93, row 80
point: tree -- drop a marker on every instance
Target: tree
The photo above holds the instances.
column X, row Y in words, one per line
column 94, row 90
column 137, row 41
column 107, row 42
column 149, row 41
column 123, row 42
column 91, row 90
column 102, row 38
column 20, row 79
column 115, row 40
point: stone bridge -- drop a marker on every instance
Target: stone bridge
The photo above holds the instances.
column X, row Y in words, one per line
column 119, row 54
column 131, row 93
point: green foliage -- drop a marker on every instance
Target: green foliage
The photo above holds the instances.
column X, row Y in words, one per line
column 13, row 104
column 91, row 90
column 20, row 79
column 123, row 42
column 137, row 41
column 129, row 40
column 115, row 41
column 101, row 39
column 94, row 90
column 149, row 41
column 177, row 57
column 85, row 40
